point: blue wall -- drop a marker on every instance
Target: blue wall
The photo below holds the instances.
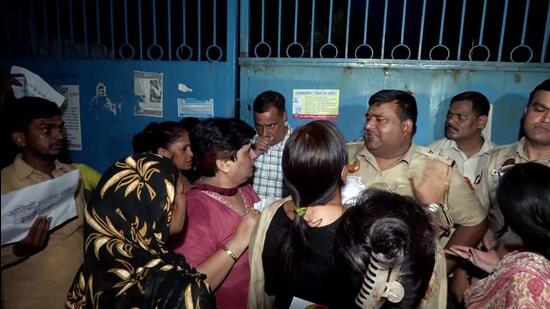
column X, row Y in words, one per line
column 506, row 87
column 109, row 138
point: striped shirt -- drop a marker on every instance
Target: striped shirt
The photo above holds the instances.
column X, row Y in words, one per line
column 268, row 172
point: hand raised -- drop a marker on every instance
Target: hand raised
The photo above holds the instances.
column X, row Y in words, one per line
column 262, row 144
column 433, row 185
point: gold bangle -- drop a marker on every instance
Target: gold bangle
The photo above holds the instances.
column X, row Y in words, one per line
column 230, row 253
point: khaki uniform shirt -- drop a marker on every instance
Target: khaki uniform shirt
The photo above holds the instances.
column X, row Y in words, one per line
column 464, row 207
column 502, row 158
column 41, row 280
column 472, row 167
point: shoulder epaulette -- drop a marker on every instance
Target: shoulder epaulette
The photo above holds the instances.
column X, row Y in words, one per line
column 354, row 147
column 432, row 154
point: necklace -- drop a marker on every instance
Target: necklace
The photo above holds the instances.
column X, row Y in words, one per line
column 226, row 203
column 216, row 189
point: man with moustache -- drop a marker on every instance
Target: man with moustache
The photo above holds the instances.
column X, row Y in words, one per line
column 533, row 146
column 38, row 271
column 388, row 158
column 273, row 132
column 463, row 142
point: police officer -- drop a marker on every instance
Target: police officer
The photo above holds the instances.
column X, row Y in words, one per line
column 533, row 146
column 388, row 158
column 464, row 142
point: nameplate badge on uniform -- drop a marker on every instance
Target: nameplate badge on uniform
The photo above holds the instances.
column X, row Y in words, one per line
column 477, row 180
column 506, row 165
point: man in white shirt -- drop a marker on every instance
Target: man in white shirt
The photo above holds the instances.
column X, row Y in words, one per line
column 273, row 132
column 463, row 142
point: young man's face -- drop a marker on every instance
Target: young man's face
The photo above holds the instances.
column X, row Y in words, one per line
column 44, row 137
column 536, row 121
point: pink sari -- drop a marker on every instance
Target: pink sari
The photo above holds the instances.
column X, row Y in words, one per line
column 520, row 280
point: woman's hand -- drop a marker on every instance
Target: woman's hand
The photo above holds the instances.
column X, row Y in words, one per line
column 434, row 183
column 460, row 284
column 486, row 260
column 218, row 265
column 244, row 230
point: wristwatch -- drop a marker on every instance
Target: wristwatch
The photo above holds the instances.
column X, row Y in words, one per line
column 434, row 207
column 442, row 217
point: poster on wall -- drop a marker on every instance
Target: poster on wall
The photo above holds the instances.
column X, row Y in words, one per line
column 315, row 103
column 101, row 105
column 191, row 107
column 148, row 88
column 71, row 116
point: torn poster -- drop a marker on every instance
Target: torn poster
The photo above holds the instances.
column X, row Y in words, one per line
column 33, row 85
column 101, row 106
column 71, row 116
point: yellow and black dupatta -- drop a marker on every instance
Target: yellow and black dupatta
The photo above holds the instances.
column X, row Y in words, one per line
column 127, row 222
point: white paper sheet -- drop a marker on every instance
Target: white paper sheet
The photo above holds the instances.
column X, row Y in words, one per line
column 351, row 190
column 35, row 86
column 53, row 198
column 298, row 303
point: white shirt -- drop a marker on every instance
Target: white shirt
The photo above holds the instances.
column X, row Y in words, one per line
column 471, row 167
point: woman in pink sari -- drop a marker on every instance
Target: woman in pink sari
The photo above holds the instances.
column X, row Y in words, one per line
column 521, row 279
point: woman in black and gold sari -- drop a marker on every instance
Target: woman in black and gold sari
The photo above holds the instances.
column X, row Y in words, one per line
column 139, row 203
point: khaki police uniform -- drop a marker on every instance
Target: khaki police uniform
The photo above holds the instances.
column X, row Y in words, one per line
column 501, row 160
column 472, row 167
column 464, row 207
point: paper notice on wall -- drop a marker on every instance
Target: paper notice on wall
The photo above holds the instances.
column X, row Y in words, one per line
column 191, row 107
column 71, row 116
column 148, row 87
column 53, row 198
column 34, row 86
column 315, row 103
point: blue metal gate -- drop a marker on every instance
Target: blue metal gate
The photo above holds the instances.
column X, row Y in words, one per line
column 433, row 48
column 356, row 46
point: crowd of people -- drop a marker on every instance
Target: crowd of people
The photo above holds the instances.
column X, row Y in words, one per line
column 215, row 213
